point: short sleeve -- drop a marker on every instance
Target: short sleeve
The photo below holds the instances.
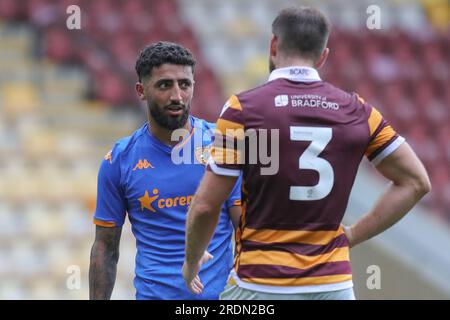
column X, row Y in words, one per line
column 226, row 157
column 383, row 138
column 110, row 209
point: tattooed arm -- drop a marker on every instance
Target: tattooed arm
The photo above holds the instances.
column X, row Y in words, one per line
column 103, row 266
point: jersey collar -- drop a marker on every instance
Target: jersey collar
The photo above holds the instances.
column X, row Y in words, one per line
column 166, row 147
column 295, row 73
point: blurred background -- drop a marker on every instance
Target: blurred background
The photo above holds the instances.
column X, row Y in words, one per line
column 67, row 95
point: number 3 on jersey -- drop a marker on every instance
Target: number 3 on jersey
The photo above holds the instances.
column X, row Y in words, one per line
column 309, row 159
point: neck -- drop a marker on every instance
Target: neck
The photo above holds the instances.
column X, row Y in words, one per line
column 164, row 135
column 284, row 62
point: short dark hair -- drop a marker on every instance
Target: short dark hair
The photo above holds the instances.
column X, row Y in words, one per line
column 162, row 52
column 301, row 30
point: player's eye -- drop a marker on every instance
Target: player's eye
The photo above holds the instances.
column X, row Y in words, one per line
column 185, row 84
column 164, row 84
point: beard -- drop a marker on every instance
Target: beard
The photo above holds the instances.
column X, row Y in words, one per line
column 166, row 121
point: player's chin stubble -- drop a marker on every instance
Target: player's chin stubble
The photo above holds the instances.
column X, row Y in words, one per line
column 166, row 121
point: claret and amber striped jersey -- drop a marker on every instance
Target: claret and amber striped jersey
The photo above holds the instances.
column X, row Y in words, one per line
column 290, row 238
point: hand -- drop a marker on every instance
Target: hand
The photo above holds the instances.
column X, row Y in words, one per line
column 190, row 274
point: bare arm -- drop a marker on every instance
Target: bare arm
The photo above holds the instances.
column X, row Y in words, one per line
column 103, row 266
column 410, row 183
column 235, row 215
column 201, row 222
column 204, row 213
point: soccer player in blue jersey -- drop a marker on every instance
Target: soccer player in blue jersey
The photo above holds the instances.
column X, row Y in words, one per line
column 140, row 178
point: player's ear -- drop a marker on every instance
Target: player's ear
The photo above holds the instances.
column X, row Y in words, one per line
column 140, row 90
column 273, row 46
column 323, row 57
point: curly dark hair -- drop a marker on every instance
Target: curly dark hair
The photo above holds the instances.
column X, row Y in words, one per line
column 162, row 52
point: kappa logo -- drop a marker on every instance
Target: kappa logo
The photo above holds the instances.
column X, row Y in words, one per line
column 281, row 100
column 143, row 164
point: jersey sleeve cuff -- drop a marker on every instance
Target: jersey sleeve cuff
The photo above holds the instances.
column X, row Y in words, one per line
column 237, row 203
column 222, row 171
column 388, row 150
column 102, row 223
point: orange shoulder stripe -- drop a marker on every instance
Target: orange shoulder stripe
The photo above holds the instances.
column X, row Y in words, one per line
column 101, row 223
column 382, row 137
column 374, row 120
column 234, row 103
column 230, row 128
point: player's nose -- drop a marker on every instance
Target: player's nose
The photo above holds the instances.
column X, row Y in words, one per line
column 175, row 95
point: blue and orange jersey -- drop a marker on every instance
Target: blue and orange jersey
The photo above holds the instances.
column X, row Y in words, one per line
column 290, row 238
column 143, row 178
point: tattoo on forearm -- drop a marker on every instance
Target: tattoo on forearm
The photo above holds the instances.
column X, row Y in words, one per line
column 103, row 265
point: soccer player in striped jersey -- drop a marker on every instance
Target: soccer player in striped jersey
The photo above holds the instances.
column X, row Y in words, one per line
column 290, row 243
column 143, row 178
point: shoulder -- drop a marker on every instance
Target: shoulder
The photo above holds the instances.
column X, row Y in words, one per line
column 351, row 101
column 273, row 87
column 254, row 93
column 204, row 132
column 338, row 93
column 203, row 125
column 125, row 144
